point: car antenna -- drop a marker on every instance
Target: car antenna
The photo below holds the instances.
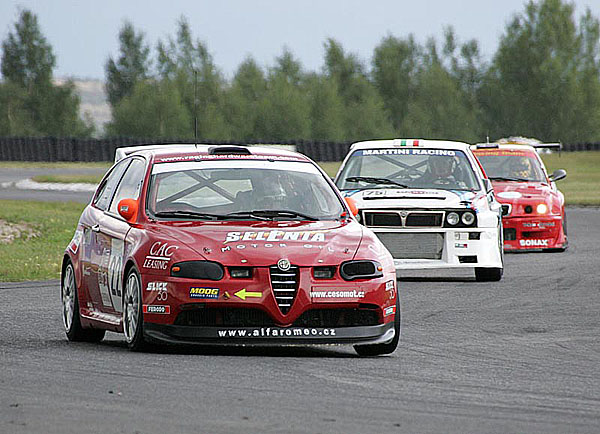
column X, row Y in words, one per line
column 196, row 108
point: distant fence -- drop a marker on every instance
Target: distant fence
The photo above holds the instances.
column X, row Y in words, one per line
column 77, row 149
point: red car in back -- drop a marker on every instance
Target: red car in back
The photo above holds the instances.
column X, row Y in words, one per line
column 533, row 208
column 226, row 245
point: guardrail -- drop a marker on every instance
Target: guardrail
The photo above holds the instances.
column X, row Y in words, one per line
column 77, row 149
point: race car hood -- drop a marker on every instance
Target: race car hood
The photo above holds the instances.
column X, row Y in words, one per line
column 509, row 191
column 263, row 243
column 413, row 198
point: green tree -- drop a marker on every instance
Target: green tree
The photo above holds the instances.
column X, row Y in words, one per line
column 439, row 108
column 132, row 66
column 27, row 58
column 15, row 119
column 326, row 109
column 243, row 99
column 154, row 109
column 284, row 112
column 534, row 85
column 395, row 63
column 190, row 66
column 365, row 115
column 31, row 96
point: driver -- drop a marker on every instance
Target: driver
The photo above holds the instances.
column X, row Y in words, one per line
column 273, row 191
column 440, row 170
column 520, row 167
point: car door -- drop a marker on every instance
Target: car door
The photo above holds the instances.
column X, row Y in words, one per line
column 111, row 238
column 93, row 246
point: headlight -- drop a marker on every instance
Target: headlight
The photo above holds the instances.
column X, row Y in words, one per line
column 468, row 218
column 452, row 218
column 542, row 208
column 198, row 270
column 361, row 270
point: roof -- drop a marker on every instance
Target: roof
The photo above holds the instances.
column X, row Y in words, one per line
column 400, row 143
column 186, row 152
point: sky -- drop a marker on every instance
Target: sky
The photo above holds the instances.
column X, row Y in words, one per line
column 84, row 33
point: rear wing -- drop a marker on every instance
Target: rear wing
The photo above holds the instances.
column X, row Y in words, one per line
column 534, row 143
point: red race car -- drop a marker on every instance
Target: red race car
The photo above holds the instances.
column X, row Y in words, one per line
column 533, row 209
column 226, row 245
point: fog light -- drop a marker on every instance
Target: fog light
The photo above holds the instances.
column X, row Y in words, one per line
column 240, row 273
column 323, row 272
column 542, row 208
column 452, row 218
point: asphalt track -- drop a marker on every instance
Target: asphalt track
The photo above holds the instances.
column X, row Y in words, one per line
column 518, row 356
column 11, row 175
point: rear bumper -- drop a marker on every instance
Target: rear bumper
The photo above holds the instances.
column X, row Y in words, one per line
column 172, row 334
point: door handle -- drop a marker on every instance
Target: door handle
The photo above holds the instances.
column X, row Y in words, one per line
column 96, row 228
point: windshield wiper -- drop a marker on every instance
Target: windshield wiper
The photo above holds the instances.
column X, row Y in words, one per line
column 370, row 180
column 270, row 214
column 192, row 214
column 505, row 178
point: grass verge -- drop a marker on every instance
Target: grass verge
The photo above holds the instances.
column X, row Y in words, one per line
column 37, row 258
column 581, row 186
column 69, row 179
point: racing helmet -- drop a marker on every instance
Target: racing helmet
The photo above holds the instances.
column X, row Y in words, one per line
column 441, row 166
column 272, row 191
column 520, row 167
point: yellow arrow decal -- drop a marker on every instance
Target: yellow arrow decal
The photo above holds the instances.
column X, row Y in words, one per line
column 243, row 294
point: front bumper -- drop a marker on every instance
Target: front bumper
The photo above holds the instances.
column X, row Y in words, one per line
column 262, row 336
column 455, row 248
column 533, row 233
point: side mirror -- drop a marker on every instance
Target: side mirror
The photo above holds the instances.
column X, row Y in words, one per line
column 352, row 205
column 128, row 209
column 558, row 175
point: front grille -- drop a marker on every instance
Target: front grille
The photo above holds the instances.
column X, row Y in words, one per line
column 223, row 316
column 413, row 245
column 510, row 234
column 285, row 286
column 424, row 219
column 467, row 259
column 399, row 218
column 337, row 318
column 382, row 219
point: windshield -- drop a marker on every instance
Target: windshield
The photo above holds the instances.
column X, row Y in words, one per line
column 240, row 189
column 408, row 168
column 511, row 165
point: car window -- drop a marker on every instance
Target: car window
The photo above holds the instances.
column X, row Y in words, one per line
column 445, row 169
column 511, row 164
column 130, row 185
column 242, row 186
column 107, row 188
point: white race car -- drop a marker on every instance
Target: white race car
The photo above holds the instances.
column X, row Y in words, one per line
column 429, row 202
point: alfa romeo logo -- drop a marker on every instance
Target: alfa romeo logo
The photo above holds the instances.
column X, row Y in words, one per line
column 283, row 264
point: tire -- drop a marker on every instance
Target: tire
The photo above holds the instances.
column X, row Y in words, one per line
column 70, row 311
column 385, row 348
column 493, row 274
column 133, row 317
column 488, row 274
